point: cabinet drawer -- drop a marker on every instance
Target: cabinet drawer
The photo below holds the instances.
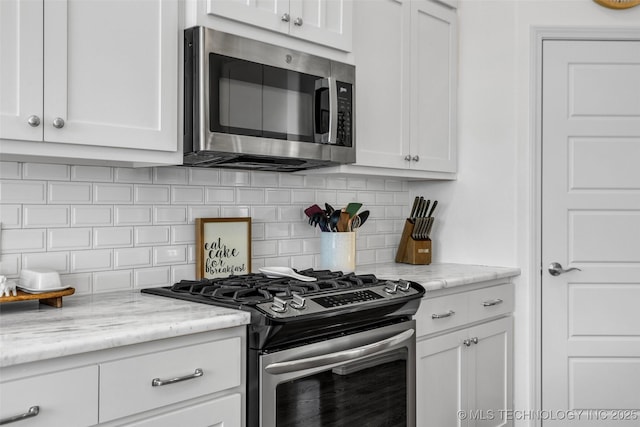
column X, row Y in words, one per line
column 226, row 411
column 490, row 302
column 66, row 398
column 440, row 313
column 126, row 385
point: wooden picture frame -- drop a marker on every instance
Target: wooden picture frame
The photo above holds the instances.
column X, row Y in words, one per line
column 223, row 247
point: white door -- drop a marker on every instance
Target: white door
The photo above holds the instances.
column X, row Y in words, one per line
column 591, row 221
column 270, row 14
column 21, row 40
column 327, row 22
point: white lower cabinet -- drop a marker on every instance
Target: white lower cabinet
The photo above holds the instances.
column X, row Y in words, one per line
column 195, row 381
column 465, row 373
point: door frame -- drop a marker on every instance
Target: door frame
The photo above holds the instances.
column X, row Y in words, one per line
column 537, row 36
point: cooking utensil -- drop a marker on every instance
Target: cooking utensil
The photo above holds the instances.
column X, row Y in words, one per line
column 433, row 208
column 285, row 272
column 362, row 216
column 333, row 220
column 312, row 209
column 414, row 208
column 352, row 208
column 343, row 221
column 319, row 219
column 328, row 209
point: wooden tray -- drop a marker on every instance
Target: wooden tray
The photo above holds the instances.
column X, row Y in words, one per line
column 54, row 298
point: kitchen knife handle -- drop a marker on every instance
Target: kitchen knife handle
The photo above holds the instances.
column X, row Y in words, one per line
column 157, row 382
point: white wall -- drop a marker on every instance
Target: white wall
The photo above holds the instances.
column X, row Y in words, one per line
column 107, row 228
column 486, row 215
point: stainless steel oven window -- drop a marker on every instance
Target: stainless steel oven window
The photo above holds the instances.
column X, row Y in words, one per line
column 367, row 378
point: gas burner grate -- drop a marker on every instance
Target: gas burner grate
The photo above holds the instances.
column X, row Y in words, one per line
column 254, row 288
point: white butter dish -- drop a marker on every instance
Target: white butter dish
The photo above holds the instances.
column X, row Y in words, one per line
column 40, row 279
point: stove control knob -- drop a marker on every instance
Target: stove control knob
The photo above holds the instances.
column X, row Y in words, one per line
column 404, row 285
column 279, row 305
column 298, row 302
column 391, row 288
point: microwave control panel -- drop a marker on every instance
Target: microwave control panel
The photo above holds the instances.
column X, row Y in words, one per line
column 344, row 135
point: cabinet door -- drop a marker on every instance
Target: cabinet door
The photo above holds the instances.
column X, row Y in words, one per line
column 21, row 41
column 381, row 48
column 111, row 73
column 270, row 14
column 490, row 373
column 441, row 380
column 434, row 56
column 327, row 22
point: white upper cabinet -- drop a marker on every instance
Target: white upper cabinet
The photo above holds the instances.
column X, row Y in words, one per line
column 91, row 74
column 325, row 22
column 406, row 55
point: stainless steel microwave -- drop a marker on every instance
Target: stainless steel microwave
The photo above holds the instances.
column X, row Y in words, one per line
column 253, row 105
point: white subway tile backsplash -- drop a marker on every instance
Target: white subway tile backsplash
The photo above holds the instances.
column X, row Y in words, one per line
column 167, row 255
column 112, row 237
column 250, row 196
column 152, row 236
column 11, row 216
column 10, row 264
column 152, row 277
column 93, row 260
column 170, row 175
column 23, row 192
column 10, row 170
column 112, row 193
column 107, row 281
column 170, row 215
column 186, row 195
column 132, row 257
column 92, row 173
column 60, row 239
column 110, row 228
column 23, row 240
column 69, row 192
column 88, row 215
column 152, row 194
column 183, row 234
column 133, row 215
column 134, row 175
column 58, row 261
column 38, row 216
column 216, row 195
column 46, row 171
column 278, row 196
column 204, row 176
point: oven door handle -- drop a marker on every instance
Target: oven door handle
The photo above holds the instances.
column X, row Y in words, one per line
column 338, row 357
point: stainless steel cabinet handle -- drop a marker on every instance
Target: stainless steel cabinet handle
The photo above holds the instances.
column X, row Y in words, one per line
column 298, row 22
column 157, row 382
column 338, row 357
column 443, row 315
column 474, row 340
column 407, row 157
column 467, row 342
column 416, row 158
column 34, row 121
column 492, row 302
column 555, row 269
column 58, row 123
column 32, row 412
column 286, row 17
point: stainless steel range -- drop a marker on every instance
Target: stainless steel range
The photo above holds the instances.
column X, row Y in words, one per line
column 332, row 350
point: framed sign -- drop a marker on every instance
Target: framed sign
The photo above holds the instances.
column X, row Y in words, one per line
column 223, row 247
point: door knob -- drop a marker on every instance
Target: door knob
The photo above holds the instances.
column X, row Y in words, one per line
column 58, row 123
column 286, row 17
column 555, row 269
column 298, row 22
column 34, row 121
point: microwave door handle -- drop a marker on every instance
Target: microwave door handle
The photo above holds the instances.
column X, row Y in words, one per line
column 329, row 85
column 336, row 358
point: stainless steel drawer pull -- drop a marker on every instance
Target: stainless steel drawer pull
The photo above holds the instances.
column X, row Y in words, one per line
column 157, row 382
column 442, row 316
column 32, row 412
column 492, row 302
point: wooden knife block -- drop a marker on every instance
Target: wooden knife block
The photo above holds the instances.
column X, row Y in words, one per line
column 412, row 251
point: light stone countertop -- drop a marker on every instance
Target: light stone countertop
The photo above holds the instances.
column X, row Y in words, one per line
column 435, row 277
column 31, row 332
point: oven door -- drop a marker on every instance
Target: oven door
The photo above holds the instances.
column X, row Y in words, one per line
column 367, row 378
